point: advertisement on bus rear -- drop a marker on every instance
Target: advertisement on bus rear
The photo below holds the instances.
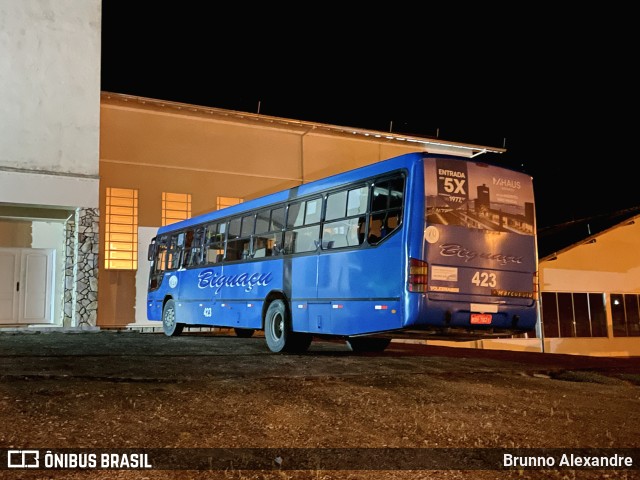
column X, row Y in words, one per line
column 480, row 229
column 478, row 196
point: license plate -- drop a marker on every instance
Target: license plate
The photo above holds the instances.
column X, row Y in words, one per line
column 481, row 318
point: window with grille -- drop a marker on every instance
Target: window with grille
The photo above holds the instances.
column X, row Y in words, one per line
column 175, row 207
column 121, row 229
column 224, row 202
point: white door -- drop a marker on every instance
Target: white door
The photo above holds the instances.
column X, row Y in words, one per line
column 9, row 278
column 26, row 285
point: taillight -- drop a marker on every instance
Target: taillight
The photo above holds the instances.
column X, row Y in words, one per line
column 418, row 275
column 535, row 286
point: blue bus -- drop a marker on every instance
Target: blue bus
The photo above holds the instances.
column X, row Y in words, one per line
column 424, row 245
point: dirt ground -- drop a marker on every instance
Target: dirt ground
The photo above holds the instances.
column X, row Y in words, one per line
column 110, row 390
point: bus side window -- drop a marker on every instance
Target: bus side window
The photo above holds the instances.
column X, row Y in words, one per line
column 268, row 232
column 375, row 229
column 362, row 227
column 382, row 224
column 387, row 201
column 343, row 233
column 277, row 226
column 302, row 239
column 344, row 220
column 307, row 238
column 214, row 243
column 194, row 256
column 356, row 231
column 393, row 221
column 188, row 241
column 239, row 238
column 174, row 252
column 272, row 243
column 233, row 245
column 234, row 250
column 159, row 264
column 295, row 215
column 214, row 254
column 260, row 248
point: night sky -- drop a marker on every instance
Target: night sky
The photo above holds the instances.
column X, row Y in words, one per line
column 542, row 97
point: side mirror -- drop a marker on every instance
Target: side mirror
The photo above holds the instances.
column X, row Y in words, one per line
column 151, row 253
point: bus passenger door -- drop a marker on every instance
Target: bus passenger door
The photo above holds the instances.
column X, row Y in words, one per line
column 302, row 242
column 197, row 292
column 197, row 297
column 303, row 272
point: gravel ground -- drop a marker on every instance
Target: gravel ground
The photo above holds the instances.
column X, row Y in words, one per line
column 109, row 390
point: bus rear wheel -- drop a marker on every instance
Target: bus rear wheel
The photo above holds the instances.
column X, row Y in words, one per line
column 368, row 344
column 170, row 326
column 277, row 331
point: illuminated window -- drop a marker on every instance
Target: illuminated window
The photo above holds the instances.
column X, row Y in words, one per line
column 224, row 202
column 175, row 207
column 121, row 229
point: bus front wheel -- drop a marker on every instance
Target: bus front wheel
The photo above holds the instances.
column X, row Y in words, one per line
column 277, row 331
column 170, row 326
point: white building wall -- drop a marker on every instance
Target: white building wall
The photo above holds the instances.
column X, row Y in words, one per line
column 63, row 191
column 50, row 96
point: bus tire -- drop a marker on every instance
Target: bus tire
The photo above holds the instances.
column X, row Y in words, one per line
column 244, row 332
column 170, row 326
column 368, row 344
column 277, row 331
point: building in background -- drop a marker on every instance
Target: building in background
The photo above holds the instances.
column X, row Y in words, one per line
column 590, row 284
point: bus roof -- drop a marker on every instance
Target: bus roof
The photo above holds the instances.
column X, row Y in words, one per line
column 367, row 171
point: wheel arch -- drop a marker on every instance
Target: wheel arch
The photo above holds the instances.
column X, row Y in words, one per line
column 271, row 296
column 166, row 299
